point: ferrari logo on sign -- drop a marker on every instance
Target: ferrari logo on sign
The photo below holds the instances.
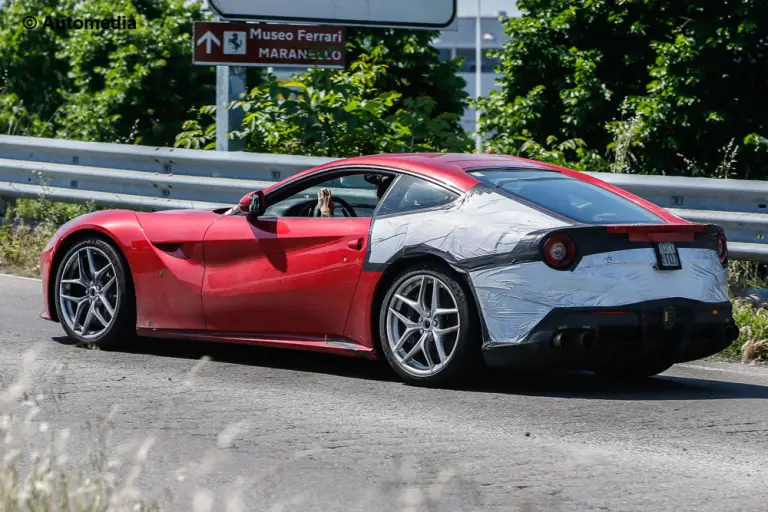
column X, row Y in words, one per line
column 234, row 43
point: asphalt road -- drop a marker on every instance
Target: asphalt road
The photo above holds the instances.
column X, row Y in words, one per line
column 331, row 433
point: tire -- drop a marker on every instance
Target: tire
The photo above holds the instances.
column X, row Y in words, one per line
column 112, row 288
column 634, row 371
column 461, row 354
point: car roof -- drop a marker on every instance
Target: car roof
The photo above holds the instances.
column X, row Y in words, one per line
column 449, row 168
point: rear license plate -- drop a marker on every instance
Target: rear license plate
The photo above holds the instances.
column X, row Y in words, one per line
column 667, row 256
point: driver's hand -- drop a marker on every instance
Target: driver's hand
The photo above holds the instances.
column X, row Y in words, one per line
column 325, row 203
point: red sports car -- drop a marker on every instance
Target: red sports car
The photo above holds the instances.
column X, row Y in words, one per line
column 440, row 263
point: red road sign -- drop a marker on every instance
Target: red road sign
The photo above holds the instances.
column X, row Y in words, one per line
column 251, row 44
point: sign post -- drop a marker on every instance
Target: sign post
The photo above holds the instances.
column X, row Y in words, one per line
column 230, row 84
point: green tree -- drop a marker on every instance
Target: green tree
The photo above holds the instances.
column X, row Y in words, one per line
column 103, row 85
column 641, row 85
column 413, row 67
column 133, row 84
column 333, row 113
column 395, row 96
column 30, row 74
column 704, row 104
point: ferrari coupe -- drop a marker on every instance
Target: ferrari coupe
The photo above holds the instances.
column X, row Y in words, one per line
column 442, row 264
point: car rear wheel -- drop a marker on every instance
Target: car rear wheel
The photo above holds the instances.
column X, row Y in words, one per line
column 428, row 327
column 94, row 298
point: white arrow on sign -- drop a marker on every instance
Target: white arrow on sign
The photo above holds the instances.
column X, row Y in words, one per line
column 208, row 38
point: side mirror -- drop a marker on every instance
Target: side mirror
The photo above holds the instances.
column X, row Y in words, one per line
column 253, row 203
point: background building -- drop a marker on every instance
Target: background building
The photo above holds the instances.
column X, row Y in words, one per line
column 461, row 43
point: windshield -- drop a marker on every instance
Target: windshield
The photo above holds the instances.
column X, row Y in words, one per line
column 569, row 197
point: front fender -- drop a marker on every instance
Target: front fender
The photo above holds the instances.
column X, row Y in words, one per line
column 166, row 281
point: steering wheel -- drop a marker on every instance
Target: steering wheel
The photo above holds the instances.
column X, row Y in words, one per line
column 346, row 208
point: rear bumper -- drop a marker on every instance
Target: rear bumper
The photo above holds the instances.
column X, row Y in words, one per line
column 676, row 330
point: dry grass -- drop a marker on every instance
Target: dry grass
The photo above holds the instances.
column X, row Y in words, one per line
column 46, row 478
column 752, row 344
column 26, row 228
column 20, row 246
column 38, row 471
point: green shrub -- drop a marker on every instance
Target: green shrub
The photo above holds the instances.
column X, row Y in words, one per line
column 753, row 341
column 27, row 228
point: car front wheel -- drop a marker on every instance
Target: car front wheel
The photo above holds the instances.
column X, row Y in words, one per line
column 428, row 327
column 94, row 300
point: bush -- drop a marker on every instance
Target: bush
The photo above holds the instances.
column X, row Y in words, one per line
column 752, row 344
column 663, row 86
column 334, row 114
column 26, row 229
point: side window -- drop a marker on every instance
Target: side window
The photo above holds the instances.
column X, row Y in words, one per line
column 410, row 194
column 358, row 191
column 352, row 189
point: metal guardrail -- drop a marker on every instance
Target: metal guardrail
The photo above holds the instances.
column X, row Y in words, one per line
column 142, row 177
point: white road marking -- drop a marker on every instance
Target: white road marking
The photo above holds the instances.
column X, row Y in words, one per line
column 725, row 370
column 20, row 277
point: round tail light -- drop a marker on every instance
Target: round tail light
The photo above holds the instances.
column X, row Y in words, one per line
column 722, row 247
column 559, row 251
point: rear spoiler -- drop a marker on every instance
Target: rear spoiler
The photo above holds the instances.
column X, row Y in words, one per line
column 659, row 232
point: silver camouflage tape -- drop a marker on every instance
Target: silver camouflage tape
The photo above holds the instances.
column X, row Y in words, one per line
column 515, row 298
column 481, row 224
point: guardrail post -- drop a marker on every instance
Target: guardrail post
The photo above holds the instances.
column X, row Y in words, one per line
column 5, row 204
column 230, row 84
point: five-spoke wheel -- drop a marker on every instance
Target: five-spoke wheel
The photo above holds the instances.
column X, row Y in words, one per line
column 91, row 288
column 428, row 328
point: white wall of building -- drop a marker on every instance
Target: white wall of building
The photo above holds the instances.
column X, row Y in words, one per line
column 461, row 43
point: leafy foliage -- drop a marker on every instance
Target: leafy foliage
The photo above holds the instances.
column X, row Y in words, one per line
column 101, row 85
column 413, row 67
column 30, row 74
column 657, row 87
column 135, row 82
column 139, row 85
column 334, row 113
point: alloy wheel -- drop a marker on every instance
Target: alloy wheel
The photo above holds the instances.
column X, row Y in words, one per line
column 88, row 292
column 423, row 325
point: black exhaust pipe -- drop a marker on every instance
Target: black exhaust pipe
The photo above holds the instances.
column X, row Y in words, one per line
column 586, row 339
column 731, row 332
column 570, row 339
column 561, row 340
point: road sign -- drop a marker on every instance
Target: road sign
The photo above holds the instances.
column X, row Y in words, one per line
column 427, row 14
column 261, row 44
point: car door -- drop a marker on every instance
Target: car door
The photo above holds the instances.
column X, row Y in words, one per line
column 282, row 276
column 289, row 275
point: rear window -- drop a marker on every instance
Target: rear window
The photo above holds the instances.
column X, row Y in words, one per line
column 410, row 194
column 569, row 197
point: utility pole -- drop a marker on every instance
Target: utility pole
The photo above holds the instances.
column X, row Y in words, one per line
column 478, row 75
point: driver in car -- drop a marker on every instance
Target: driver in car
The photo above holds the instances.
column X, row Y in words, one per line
column 325, row 202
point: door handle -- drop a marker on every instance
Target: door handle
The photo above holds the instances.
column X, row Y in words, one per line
column 356, row 244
